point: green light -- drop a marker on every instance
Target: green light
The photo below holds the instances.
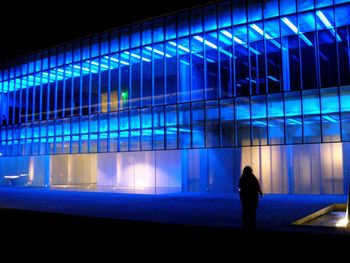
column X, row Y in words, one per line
column 124, row 95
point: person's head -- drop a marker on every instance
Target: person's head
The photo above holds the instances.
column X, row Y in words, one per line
column 247, row 170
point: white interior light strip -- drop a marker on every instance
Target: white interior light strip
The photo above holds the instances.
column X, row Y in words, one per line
column 179, row 46
column 267, row 36
column 158, row 52
column 239, row 41
column 137, row 56
column 208, row 43
column 229, row 35
column 294, row 121
column 260, row 31
column 296, row 30
column 273, row 78
column 329, row 118
column 328, row 25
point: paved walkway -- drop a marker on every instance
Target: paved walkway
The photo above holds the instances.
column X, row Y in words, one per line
column 275, row 212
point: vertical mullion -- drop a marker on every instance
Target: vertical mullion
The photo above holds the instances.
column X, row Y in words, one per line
column 47, row 145
column 80, row 95
column 55, row 107
column 205, row 81
column 300, row 79
column 1, row 96
column 72, row 105
column 318, row 75
column 98, row 93
column 266, row 81
column 152, row 94
column 130, row 95
column 89, row 93
column 177, row 81
column 41, row 91
column 219, row 75
column 339, row 83
column 41, row 103
column 14, row 96
column 190, row 79
column 64, row 86
column 1, row 100
column 109, row 95
column 120, row 105
column 48, row 88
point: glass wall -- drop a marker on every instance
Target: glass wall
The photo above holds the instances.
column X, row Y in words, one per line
column 234, row 73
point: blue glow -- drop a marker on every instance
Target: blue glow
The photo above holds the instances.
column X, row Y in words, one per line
column 267, row 36
column 273, row 78
column 179, row 46
column 128, row 102
column 328, row 25
column 296, row 30
column 239, row 41
column 329, row 118
column 208, row 43
column 158, row 52
column 137, row 56
column 293, row 121
column 260, row 31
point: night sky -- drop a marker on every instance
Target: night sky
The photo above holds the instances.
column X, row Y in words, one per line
column 27, row 27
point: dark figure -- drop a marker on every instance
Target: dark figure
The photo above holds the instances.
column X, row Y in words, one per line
column 3, row 121
column 249, row 190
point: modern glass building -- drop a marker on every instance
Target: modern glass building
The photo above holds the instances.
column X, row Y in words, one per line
column 183, row 102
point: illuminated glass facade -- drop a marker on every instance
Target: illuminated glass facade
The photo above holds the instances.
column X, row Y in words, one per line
column 224, row 80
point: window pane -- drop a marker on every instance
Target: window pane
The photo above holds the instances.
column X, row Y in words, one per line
column 184, row 126
column 276, row 120
column 259, row 123
column 212, row 124
column 243, row 121
column 158, row 128
column 327, row 38
column 198, row 127
column 307, row 47
column 226, row 63
column 197, row 83
column 158, row 58
column 211, row 52
column 227, row 113
column 171, row 127
column 241, row 62
column 290, row 54
column 171, row 73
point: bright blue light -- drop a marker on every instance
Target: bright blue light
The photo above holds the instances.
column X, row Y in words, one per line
column 260, row 31
column 208, row 43
column 273, row 78
column 293, row 121
column 224, row 52
column 137, row 56
column 267, row 36
column 226, row 33
column 158, row 52
column 239, row 41
column 329, row 118
column 179, row 46
column 328, row 25
column 296, row 30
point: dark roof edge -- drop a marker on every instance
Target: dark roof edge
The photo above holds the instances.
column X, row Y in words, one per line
column 34, row 52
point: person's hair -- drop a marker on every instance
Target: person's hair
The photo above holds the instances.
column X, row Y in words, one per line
column 247, row 170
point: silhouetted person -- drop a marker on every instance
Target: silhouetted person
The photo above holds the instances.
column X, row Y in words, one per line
column 3, row 121
column 249, row 191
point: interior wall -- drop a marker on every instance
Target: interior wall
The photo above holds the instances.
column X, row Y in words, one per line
column 282, row 169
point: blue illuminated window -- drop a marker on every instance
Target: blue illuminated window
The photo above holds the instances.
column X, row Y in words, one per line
column 232, row 73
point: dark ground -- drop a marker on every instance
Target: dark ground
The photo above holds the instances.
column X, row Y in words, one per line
column 198, row 224
column 26, row 227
